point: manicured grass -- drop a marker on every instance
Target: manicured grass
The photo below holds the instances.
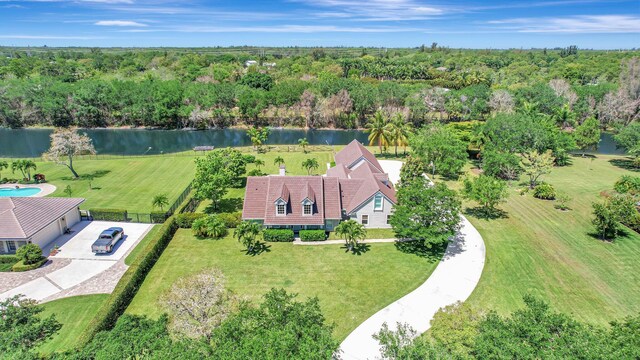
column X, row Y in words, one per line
column 121, row 183
column 142, row 244
column 540, row 250
column 4, row 267
column 371, row 234
column 350, row 287
column 74, row 314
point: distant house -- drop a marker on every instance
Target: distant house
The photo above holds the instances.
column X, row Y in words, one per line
column 250, row 63
column 355, row 188
column 37, row 220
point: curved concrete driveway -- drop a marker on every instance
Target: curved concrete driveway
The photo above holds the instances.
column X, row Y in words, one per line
column 454, row 279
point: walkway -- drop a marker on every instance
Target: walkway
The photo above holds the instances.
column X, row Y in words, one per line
column 341, row 242
column 454, row 279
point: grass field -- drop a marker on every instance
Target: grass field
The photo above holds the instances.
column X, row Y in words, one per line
column 540, row 250
column 74, row 314
column 121, row 183
column 350, row 287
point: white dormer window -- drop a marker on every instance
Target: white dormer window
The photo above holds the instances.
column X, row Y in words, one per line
column 306, row 209
column 280, row 209
column 377, row 202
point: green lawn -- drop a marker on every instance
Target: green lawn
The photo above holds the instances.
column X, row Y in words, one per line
column 350, row 287
column 540, row 250
column 142, row 244
column 121, row 183
column 74, row 314
column 371, row 234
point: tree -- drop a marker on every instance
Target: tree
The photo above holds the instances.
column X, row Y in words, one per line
column 258, row 136
column 21, row 329
column 501, row 102
column 424, row 212
column 536, row 164
column 587, row 134
column 65, row 144
column 564, row 117
column 629, row 139
column 3, row 165
column 29, row 253
column 455, row 327
column 398, row 132
column 439, row 147
column 351, row 232
column 310, row 164
column 160, row 200
column 198, row 304
column 217, row 171
column 278, row 161
column 609, row 215
column 246, row 233
column 67, row 190
column 258, row 163
column 209, row 226
column 377, row 129
column 24, row 166
column 303, row 142
column 500, row 164
column 411, row 169
column 403, row 343
column 486, row 191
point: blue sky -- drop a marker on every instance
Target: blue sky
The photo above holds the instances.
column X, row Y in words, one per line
column 604, row 24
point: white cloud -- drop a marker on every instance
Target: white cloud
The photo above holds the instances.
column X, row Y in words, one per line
column 119, row 23
column 586, row 24
column 378, row 10
column 51, row 37
column 279, row 29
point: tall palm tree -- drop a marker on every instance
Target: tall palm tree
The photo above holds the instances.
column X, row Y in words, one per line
column 398, row 131
column 351, row 232
column 278, row 161
column 304, row 143
column 258, row 163
column 246, row 233
column 564, row 117
column 377, row 129
column 310, row 164
column 160, row 200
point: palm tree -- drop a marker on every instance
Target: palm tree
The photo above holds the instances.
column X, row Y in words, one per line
column 258, row 163
column 304, row 143
column 310, row 164
column 3, row 165
column 160, row 200
column 278, row 161
column 216, row 227
column 254, row 136
column 564, row 117
column 377, row 129
column 351, row 231
column 398, row 131
column 246, row 233
column 25, row 167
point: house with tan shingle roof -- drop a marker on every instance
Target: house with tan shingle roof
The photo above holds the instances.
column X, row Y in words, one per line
column 355, row 188
column 37, row 220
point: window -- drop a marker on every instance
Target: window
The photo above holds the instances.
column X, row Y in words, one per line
column 388, row 219
column 365, row 220
column 307, row 209
column 377, row 202
column 280, row 209
column 11, row 245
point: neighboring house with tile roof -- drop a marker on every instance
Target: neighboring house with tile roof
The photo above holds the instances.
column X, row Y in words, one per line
column 355, row 188
column 38, row 220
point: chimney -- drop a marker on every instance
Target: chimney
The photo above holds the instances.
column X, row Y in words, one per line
column 283, row 170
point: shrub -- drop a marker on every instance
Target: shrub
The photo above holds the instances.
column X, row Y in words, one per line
column 628, row 184
column 278, row 235
column 185, row 221
column 158, row 217
column 109, row 214
column 563, row 200
column 231, row 219
column 9, row 259
column 21, row 266
column 256, row 172
column 544, row 191
column 209, row 227
column 313, row 235
column 29, row 254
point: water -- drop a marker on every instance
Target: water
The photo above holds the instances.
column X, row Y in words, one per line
column 22, row 192
column 33, row 142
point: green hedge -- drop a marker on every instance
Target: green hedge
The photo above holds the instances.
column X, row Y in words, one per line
column 185, row 221
column 20, row 266
column 628, row 184
column 130, row 282
column 544, row 191
column 158, row 217
column 231, row 219
column 313, row 235
column 278, row 235
column 109, row 214
column 8, row 259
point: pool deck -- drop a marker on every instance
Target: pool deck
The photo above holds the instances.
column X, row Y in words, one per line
column 45, row 189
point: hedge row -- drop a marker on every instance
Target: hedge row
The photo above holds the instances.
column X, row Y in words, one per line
column 313, row 235
column 130, row 282
column 185, row 221
column 109, row 214
column 8, row 259
column 20, row 266
column 278, row 235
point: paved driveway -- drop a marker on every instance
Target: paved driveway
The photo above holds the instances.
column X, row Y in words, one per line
column 83, row 265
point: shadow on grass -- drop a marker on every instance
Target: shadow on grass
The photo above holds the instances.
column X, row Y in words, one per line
column 432, row 252
column 94, row 175
column 485, row 214
column 626, row 164
column 225, row 205
column 359, row 249
column 624, row 233
column 258, row 249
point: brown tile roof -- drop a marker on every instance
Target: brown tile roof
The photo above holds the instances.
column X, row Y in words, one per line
column 255, row 197
column 361, row 185
column 332, row 205
column 353, row 152
column 23, row 217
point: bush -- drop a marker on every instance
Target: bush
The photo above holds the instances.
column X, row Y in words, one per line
column 278, row 235
column 628, row 184
column 209, row 227
column 109, row 214
column 21, row 266
column 185, row 221
column 158, row 217
column 544, row 191
column 9, row 259
column 231, row 219
column 313, row 235
column 256, row 172
column 29, row 254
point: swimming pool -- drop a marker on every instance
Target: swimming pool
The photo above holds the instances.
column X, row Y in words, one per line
column 22, row 192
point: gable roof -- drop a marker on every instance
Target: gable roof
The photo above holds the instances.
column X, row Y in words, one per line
column 363, row 183
column 353, row 152
column 23, row 217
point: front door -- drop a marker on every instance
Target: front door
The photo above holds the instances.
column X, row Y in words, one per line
column 63, row 224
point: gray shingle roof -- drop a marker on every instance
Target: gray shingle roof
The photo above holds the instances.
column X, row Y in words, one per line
column 22, row 217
